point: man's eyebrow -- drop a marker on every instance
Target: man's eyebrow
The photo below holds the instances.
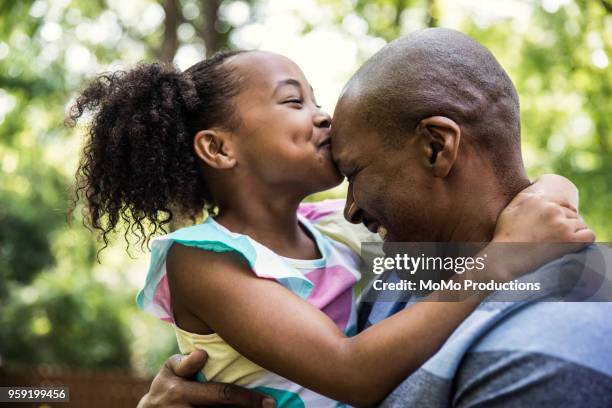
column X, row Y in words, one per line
column 288, row 81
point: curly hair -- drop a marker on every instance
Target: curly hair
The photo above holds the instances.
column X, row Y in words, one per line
column 138, row 165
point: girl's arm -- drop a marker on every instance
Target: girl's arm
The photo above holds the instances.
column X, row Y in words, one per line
column 553, row 184
column 285, row 334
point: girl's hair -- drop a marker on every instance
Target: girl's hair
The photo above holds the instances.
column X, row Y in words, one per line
column 138, row 163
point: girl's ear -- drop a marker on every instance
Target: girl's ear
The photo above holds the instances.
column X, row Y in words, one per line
column 214, row 148
column 439, row 138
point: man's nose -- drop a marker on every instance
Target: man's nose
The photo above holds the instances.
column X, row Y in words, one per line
column 352, row 213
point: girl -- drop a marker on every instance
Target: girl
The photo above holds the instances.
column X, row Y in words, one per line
column 258, row 286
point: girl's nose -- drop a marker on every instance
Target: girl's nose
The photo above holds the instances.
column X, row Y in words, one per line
column 322, row 120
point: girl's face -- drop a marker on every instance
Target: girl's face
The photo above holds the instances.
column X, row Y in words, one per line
column 283, row 138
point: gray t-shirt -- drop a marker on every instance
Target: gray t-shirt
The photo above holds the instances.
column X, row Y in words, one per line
column 517, row 354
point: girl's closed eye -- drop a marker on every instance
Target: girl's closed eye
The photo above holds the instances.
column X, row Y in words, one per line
column 296, row 101
column 299, row 101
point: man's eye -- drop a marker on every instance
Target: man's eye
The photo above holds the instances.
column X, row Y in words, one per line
column 351, row 175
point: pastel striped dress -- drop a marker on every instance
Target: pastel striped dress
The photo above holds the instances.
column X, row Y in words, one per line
column 329, row 283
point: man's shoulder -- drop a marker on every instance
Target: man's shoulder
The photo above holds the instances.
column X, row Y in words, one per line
column 546, row 353
column 527, row 378
column 511, row 354
column 580, row 332
column 533, row 352
column 523, row 353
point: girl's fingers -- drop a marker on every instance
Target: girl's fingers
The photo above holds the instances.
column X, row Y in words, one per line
column 584, row 235
column 556, row 198
column 578, row 224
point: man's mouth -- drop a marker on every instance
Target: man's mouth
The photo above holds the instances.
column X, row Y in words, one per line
column 376, row 227
column 382, row 232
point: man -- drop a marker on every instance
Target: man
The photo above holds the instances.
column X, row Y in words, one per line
column 431, row 150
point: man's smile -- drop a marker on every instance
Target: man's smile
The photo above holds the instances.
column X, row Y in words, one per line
column 374, row 226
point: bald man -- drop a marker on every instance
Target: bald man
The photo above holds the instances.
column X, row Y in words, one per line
column 432, row 152
column 428, row 134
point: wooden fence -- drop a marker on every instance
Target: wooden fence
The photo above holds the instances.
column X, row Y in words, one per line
column 92, row 389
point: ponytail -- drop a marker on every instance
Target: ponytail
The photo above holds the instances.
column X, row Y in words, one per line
column 138, row 164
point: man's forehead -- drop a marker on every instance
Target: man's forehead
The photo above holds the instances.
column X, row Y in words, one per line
column 348, row 144
column 339, row 150
column 349, row 133
column 343, row 119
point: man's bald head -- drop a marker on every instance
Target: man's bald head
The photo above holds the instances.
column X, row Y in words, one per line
column 440, row 72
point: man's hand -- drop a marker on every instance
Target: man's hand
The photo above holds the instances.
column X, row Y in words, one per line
column 172, row 387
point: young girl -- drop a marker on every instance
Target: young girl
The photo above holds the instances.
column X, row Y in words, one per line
column 258, row 286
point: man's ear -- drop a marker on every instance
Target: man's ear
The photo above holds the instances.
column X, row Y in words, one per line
column 214, row 148
column 439, row 138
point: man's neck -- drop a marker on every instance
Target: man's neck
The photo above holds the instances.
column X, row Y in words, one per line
column 476, row 218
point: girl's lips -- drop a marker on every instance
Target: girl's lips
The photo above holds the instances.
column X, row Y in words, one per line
column 326, row 143
column 323, row 138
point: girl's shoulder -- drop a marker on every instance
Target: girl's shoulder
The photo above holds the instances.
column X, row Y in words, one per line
column 209, row 236
column 154, row 297
column 327, row 216
column 320, row 210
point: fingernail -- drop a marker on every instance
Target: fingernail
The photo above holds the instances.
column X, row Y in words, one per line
column 268, row 403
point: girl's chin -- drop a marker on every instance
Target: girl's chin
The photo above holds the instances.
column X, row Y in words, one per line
column 325, row 173
column 328, row 180
column 334, row 176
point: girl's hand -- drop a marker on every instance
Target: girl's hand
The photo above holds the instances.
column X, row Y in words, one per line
column 546, row 211
column 544, row 219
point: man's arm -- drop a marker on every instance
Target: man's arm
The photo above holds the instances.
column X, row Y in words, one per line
column 172, row 387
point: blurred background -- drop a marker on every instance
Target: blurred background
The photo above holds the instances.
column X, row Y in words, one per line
column 65, row 316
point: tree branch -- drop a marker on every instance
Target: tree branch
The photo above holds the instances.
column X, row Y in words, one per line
column 213, row 40
column 174, row 17
column 431, row 20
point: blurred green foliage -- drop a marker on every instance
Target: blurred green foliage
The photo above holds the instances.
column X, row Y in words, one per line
column 59, row 306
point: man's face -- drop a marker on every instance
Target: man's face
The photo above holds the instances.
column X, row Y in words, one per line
column 389, row 189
